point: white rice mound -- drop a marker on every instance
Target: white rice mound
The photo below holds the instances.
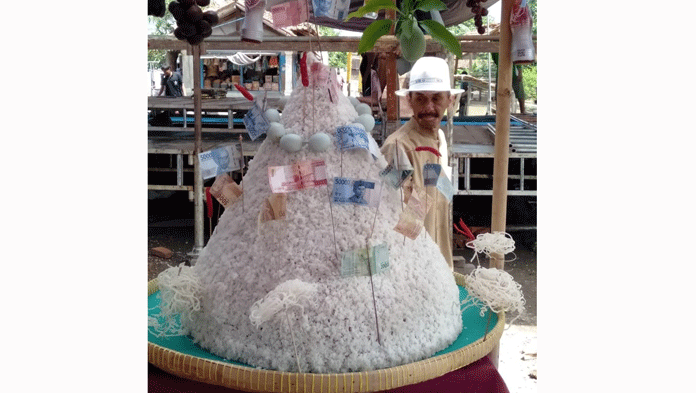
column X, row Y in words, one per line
column 333, row 331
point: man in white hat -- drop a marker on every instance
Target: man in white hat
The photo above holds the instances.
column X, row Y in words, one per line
column 429, row 94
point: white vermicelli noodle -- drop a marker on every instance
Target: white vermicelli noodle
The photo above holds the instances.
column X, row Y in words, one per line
column 489, row 243
column 179, row 294
column 289, row 294
column 494, row 289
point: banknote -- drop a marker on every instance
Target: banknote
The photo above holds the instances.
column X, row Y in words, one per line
column 399, row 166
column 255, row 121
column 431, row 173
column 355, row 262
column 321, row 7
column 334, row 9
column 225, row 190
column 359, row 192
column 395, row 177
column 352, row 136
column 220, row 160
column 290, row 13
column 339, row 9
column 273, row 208
column 297, row 176
column 444, row 185
column 409, row 225
column 434, row 175
column 417, row 205
column 411, row 219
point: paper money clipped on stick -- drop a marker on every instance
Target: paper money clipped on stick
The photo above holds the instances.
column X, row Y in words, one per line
column 434, row 175
column 337, row 9
column 273, row 208
column 411, row 219
column 298, row 176
column 355, row 262
column 255, row 121
column 352, row 136
column 356, row 191
column 217, row 161
column 225, row 190
column 399, row 169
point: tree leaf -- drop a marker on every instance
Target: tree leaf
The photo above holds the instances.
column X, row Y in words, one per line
column 407, row 6
column 372, row 6
column 375, row 30
column 429, row 5
column 443, row 36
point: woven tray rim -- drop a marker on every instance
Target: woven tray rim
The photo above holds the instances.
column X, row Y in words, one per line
column 261, row 380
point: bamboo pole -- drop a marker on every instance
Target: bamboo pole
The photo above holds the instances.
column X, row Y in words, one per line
column 392, row 75
column 197, row 178
column 502, row 140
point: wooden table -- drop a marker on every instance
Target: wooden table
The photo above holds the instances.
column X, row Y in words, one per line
column 179, row 141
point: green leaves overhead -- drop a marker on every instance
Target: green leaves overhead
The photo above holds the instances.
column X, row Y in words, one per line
column 429, row 5
column 406, row 23
column 375, row 30
column 443, row 36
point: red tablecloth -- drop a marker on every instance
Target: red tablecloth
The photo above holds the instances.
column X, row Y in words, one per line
column 478, row 377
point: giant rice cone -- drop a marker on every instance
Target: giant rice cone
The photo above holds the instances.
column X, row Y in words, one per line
column 332, row 329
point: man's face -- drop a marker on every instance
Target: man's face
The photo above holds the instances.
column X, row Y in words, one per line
column 428, row 107
column 360, row 190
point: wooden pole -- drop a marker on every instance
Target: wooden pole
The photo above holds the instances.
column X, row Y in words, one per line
column 502, row 139
column 392, row 75
column 449, row 134
column 197, row 178
column 349, row 70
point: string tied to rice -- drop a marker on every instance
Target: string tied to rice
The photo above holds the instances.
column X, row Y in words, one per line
column 179, row 294
column 489, row 243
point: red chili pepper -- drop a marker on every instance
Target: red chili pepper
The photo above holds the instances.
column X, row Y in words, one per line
column 428, row 148
column 209, row 202
column 244, row 92
column 303, row 70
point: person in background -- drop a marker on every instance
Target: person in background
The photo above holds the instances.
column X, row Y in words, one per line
column 464, row 99
column 429, row 94
column 171, row 84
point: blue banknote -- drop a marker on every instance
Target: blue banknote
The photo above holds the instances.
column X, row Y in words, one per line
column 352, row 136
column 356, row 191
column 220, row 160
column 431, row 174
column 395, row 177
column 255, row 122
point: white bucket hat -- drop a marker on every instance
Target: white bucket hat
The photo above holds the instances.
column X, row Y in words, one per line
column 429, row 74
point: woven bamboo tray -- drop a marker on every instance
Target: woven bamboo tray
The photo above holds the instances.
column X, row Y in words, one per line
column 199, row 365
